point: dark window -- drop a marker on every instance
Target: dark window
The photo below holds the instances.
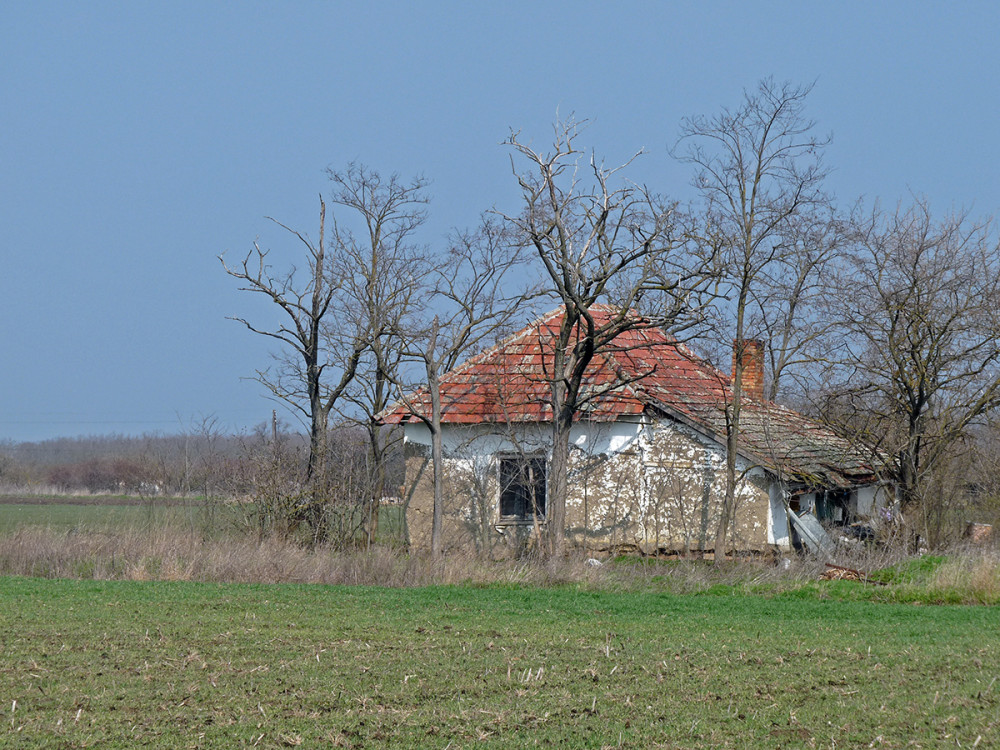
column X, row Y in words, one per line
column 522, row 488
column 834, row 506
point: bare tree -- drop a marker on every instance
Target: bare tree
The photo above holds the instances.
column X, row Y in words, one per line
column 470, row 304
column 307, row 299
column 596, row 243
column 789, row 301
column 759, row 171
column 333, row 310
column 917, row 310
column 381, row 267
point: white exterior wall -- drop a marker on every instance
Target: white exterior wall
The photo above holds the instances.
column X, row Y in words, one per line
column 636, row 482
column 777, row 518
column 591, row 438
column 874, row 497
column 468, row 441
column 646, row 455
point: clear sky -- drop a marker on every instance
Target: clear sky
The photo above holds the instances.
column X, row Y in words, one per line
column 139, row 140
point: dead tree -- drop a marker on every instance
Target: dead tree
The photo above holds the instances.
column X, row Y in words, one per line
column 334, row 304
column 381, row 267
column 309, row 376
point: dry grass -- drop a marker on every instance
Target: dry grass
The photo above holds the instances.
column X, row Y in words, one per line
column 179, row 555
column 24, row 490
column 966, row 575
column 971, row 575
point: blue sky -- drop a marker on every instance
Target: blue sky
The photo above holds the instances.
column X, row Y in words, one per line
column 139, row 140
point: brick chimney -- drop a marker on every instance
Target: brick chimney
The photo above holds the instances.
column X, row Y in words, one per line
column 753, row 367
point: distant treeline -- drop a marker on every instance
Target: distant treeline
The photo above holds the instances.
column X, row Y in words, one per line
column 201, row 463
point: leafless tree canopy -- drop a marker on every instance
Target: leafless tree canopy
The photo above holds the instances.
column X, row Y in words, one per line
column 380, row 265
column 916, row 310
column 303, row 375
column 600, row 240
column 339, row 310
column 759, row 171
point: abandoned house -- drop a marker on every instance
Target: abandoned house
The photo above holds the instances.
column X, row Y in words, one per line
column 647, row 468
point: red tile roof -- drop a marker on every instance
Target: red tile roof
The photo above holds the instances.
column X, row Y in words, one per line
column 644, row 371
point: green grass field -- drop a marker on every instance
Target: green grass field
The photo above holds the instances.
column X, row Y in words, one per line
column 64, row 516
column 107, row 512
column 126, row 664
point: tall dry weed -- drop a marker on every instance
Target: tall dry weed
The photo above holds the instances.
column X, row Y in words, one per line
column 970, row 575
column 169, row 553
column 177, row 554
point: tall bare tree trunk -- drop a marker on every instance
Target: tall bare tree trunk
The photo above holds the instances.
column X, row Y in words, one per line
column 727, row 515
column 555, row 511
column 437, row 447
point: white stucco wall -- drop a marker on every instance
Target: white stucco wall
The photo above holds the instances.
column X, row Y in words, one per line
column 777, row 518
column 664, row 481
column 464, row 441
column 874, row 497
column 654, row 453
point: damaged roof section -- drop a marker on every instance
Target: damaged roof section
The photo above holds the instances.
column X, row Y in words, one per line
column 646, row 372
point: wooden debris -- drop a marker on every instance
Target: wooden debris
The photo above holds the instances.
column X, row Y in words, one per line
column 840, row 573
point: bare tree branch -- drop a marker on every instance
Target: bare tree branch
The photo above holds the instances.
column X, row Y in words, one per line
column 599, row 243
column 759, row 170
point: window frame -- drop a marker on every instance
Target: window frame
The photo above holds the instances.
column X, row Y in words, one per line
column 534, row 461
